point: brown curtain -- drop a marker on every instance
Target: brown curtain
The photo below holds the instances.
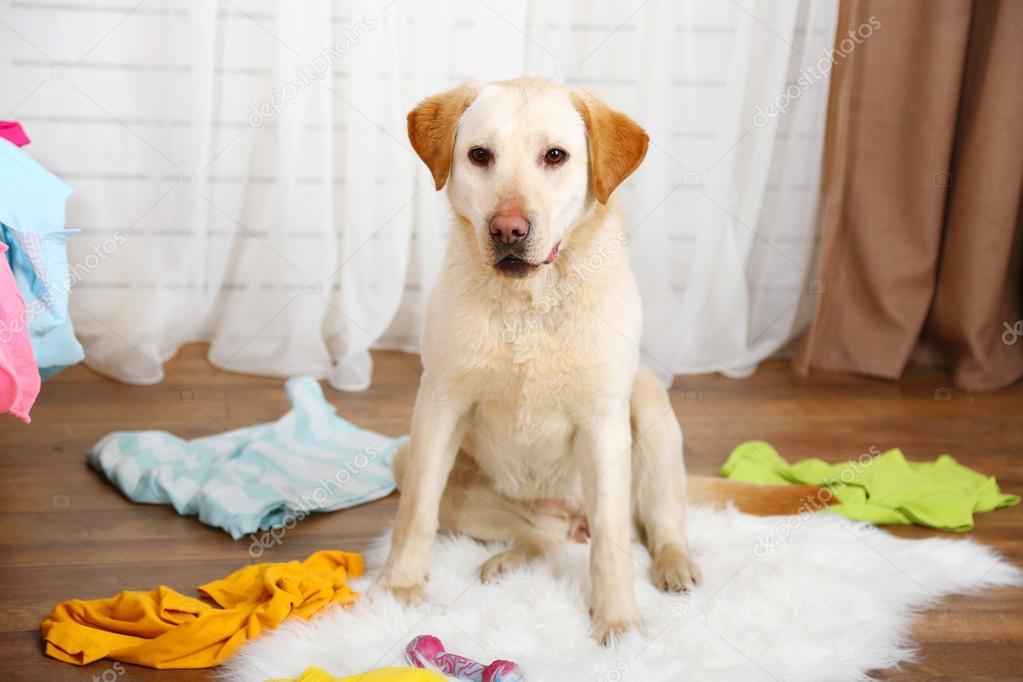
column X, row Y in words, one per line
column 923, row 181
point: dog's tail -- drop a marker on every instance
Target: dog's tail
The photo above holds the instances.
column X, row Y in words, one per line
column 757, row 499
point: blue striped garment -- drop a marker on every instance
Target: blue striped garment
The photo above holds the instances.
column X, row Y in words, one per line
column 258, row 477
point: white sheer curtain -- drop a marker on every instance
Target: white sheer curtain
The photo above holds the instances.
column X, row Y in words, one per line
column 242, row 174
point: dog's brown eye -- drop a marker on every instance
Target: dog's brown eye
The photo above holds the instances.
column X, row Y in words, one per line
column 555, row 156
column 479, row 156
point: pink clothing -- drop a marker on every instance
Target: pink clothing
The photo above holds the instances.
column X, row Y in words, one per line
column 19, row 375
column 12, row 130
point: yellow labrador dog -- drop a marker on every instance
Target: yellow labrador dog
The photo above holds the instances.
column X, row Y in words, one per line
column 535, row 421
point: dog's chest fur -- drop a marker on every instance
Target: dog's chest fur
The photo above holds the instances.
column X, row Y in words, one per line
column 527, row 406
column 536, row 364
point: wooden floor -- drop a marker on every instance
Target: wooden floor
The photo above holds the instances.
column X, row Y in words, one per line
column 66, row 533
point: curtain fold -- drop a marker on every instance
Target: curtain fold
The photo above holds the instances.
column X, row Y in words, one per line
column 923, row 184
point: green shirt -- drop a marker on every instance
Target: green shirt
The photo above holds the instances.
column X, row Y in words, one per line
column 886, row 489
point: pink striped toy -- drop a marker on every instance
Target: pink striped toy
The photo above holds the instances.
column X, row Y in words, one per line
column 428, row 651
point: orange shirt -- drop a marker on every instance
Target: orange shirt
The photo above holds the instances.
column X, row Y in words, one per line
column 165, row 629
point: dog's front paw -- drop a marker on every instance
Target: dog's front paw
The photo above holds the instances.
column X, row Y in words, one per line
column 673, row 570
column 608, row 630
column 409, row 594
column 404, row 590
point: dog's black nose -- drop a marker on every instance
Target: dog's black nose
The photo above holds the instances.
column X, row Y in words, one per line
column 509, row 227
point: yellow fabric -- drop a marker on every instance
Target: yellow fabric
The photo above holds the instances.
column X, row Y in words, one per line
column 380, row 675
column 165, row 629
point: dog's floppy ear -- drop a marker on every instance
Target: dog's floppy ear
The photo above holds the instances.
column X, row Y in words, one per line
column 432, row 126
column 617, row 144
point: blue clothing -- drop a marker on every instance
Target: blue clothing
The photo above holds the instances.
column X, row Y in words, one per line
column 257, row 477
column 32, row 225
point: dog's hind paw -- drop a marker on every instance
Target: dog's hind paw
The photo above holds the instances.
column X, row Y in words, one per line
column 499, row 564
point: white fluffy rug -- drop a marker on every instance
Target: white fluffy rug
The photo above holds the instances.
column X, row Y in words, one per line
column 813, row 597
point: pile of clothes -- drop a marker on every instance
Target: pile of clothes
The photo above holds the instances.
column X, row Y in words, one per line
column 36, row 336
column 165, row 629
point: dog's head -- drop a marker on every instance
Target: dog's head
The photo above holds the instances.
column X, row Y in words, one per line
column 524, row 162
